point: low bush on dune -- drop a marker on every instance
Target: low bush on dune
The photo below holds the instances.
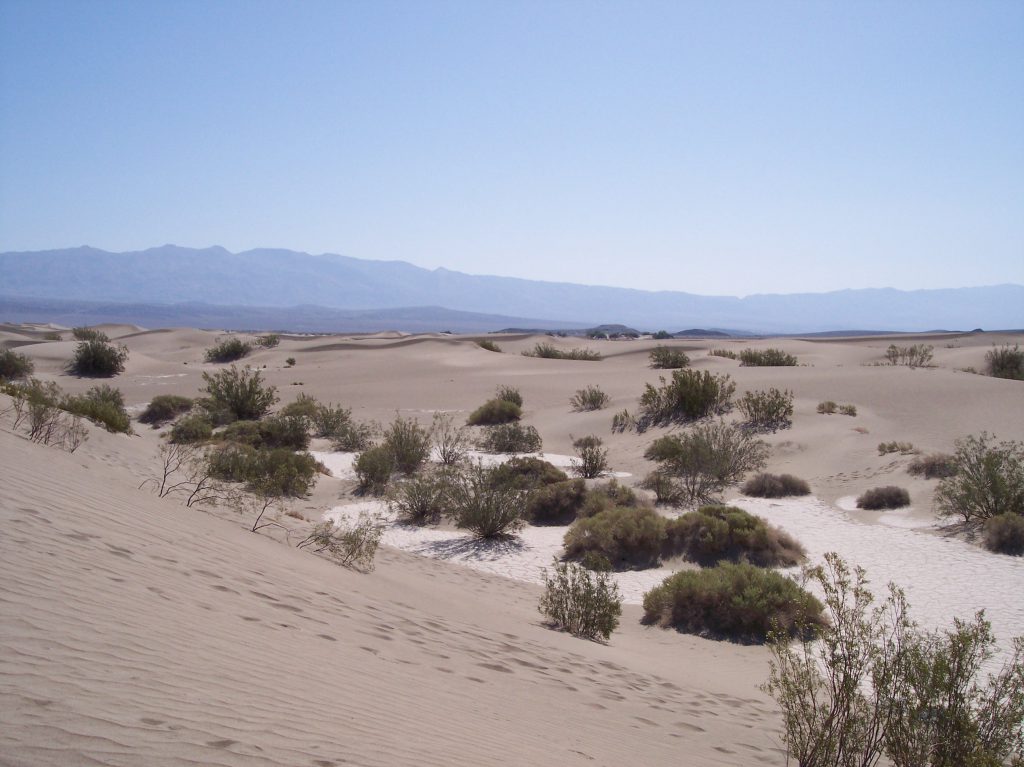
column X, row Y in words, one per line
column 667, row 358
column 916, row 356
column 526, row 473
column 14, row 365
column 623, row 422
column 52, row 336
column 552, row 352
column 191, row 429
column 102, row 405
column 240, row 393
column 629, row 538
column 483, row 507
column 1004, row 534
column 689, row 396
column 903, row 448
column 888, row 497
column 828, row 407
column 556, row 504
column 850, row 410
column 592, row 458
column 509, row 394
column 775, row 486
column 767, row 410
column 493, row 412
column 511, row 438
column 716, row 533
column 665, row 491
column 39, row 408
column 272, row 473
column 408, row 443
column 766, row 358
column 933, row 466
column 89, row 334
column 608, row 495
column 451, row 441
column 488, row 345
column 351, row 544
column 739, row 602
column 303, row 406
column 98, row 359
column 1005, row 362
column 268, row 341
column 421, row 499
column 228, row 350
column 583, row 603
column 728, row 354
column 287, row 431
column 591, row 398
column 374, row 467
column 165, row 407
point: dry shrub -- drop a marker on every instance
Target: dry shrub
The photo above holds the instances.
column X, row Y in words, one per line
column 766, row 358
column 14, row 365
column 450, row 441
column 989, row 480
column 591, row 398
column 488, row 345
column 689, row 396
column 509, row 394
column 903, row 448
column 351, row 544
column 485, row 508
column 593, row 458
column 933, row 466
column 556, row 504
column 767, row 410
column 828, row 407
column 584, row 603
column 191, row 429
column 552, row 352
column 98, row 359
column 623, row 422
column 629, row 538
column 916, row 356
column 420, row 500
column 526, row 472
column 228, row 350
column 1005, row 362
column 408, row 443
column 240, row 393
column 728, row 354
column 511, row 438
column 1004, row 534
column 716, row 533
column 165, row 407
column 374, row 467
column 775, row 486
column 888, row 497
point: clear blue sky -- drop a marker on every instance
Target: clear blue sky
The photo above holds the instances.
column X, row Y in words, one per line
column 712, row 147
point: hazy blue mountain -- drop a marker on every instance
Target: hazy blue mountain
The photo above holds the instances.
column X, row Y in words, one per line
column 282, row 278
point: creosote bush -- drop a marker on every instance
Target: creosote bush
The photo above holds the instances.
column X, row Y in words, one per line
column 689, row 396
column 165, row 407
column 526, row 473
column 228, row 350
column 769, row 410
column 716, row 533
column 1005, row 362
column 275, row 431
column 775, row 486
column 269, row 473
column 766, row 358
column 592, row 458
column 608, row 495
column 888, row 497
column 623, row 422
column 451, row 441
column 667, row 358
column 421, row 499
column 485, row 508
column 629, row 538
column 828, row 407
column 14, row 365
column 591, row 398
column 488, row 345
column 584, row 603
column 1004, row 534
column 268, row 341
column 989, row 480
column 408, row 443
column 850, row 410
column 933, row 466
column 40, row 408
column 739, row 602
column 98, row 359
column 240, row 393
column 552, row 352
column 495, row 411
column 916, row 356
column 511, row 438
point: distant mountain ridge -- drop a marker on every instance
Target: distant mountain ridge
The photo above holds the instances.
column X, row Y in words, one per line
column 283, row 278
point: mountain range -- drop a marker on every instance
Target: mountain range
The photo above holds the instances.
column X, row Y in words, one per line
column 256, row 285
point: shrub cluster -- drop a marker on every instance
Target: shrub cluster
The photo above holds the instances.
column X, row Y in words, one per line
column 828, row 407
column 591, row 398
column 191, row 429
column 374, row 467
column 716, row 533
column 488, row 345
column 903, row 448
column 97, row 358
column 933, row 466
column 916, row 356
column 14, row 365
column 495, row 411
column 165, row 407
column 728, row 354
column 89, row 334
column 39, row 407
column 690, row 395
column 286, row 431
column 552, row 352
column 270, row 473
column 661, row 335
column 592, row 458
column 1005, row 362
column 268, row 341
column 775, row 486
column 628, row 538
column 766, row 358
column 558, row 503
column 511, row 438
column 989, row 480
column 102, row 405
column 888, row 497
column 584, row 603
column 240, row 394
column 768, row 410
column 486, row 508
column 526, row 473
column 739, row 602
column 228, row 350
column 408, row 443
column 667, row 358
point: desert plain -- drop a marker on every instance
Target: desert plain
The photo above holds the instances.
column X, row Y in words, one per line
column 136, row 631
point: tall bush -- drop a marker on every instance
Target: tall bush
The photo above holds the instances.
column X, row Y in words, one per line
column 240, row 392
column 98, row 359
column 667, row 358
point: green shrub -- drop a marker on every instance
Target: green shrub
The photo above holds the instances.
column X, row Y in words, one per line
column 552, row 352
column 420, row 500
column 828, row 407
column 1004, row 534
column 489, row 345
column 335, row 423
column 630, row 538
column 40, row 407
column 511, row 438
column 703, row 461
column 715, row 533
column 728, row 354
column 495, row 411
column 667, row 358
column 903, row 448
column 509, row 394
column 661, row 335
column 526, row 473
column 486, row 508
column 271, row 473
column 239, row 392
column 664, row 489
column 608, row 495
column 775, row 486
column 268, row 341
column 592, row 460
column 623, row 422
column 689, row 396
column 584, row 603
column 766, row 358
column 14, row 365
column 191, row 429
column 933, row 466
column 374, row 467
column 101, row 405
column 286, row 431
column 165, row 407
column 591, row 398
column 770, row 410
column 989, row 480
column 228, row 350
column 303, row 406
column 89, row 334
column 888, row 497
column 556, row 504
column 408, row 443
column 1005, row 362
column 739, row 602
column 98, row 359
column 850, row 410
column 916, row 356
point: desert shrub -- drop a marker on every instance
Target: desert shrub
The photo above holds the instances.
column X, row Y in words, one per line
column 888, row 497
column 488, row 345
column 850, row 410
column 268, row 341
column 664, row 489
column 705, row 460
column 495, row 411
column 1005, row 362
column 451, row 442
column 552, row 352
column 630, row 538
column 623, row 422
column 509, row 394
column 89, row 334
column 607, row 495
column 511, row 438
column 916, row 356
column 526, row 473
column 420, row 500
column 228, row 350
column 728, row 354
column 989, row 480
column 715, row 533
column 828, row 407
column 903, row 448
column 272, row 473
column 408, row 443
column 584, row 603
column 374, row 467
column 690, row 395
column 485, row 508
column 591, row 398
column 351, row 544
column 164, row 407
column 52, row 336
column 739, row 602
column 191, row 429
column 667, row 358
column 98, row 359
column 14, row 365
column 290, row 362
column 556, row 504
column 102, row 405
column 766, row 358
column 303, row 406
column 771, row 409
column 240, row 393
column 775, row 486
column 40, row 408
column 286, row 431
column 353, row 436
column 592, row 458
column 1004, row 534
column 933, row 466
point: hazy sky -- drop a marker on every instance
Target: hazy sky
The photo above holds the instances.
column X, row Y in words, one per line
column 712, row 147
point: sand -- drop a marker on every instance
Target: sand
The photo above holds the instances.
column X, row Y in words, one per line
column 136, row 631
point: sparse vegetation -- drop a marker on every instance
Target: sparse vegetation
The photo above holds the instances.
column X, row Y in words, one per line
column 14, row 366
column 268, row 341
column 509, row 394
column 98, row 359
column 240, row 393
column 584, row 603
column 511, row 438
column 591, row 398
column 102, row 405
column 228, row 350
column 888, row 497
column 486, row 508
column 52, row 336
column 916, row 356
column 488, row 345
column 288, row 431
column 191, row 429
column 768, row 410
column 766, row 358
column 592, row 458
column 270, row 473
column 495, row 411
column 728, row 354
column 828, row 407
column 89, row 334
column 661, row 335
column 1005, row 362
column 351, row 544
column 689, row 396
column 609, row 495
column 623, row 422
column 290, row 362
column 165, row 407
column 903, row 448
column 667, row 358
column 850, row 410
column 421, row 499
column 450, row 440
column 775, row 486
column 989, row 480
column 933, row 466
column 39, row 407
column 408, row 443
column 551, row 352
column 526, row 473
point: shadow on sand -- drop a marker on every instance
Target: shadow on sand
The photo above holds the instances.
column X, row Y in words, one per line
column 475, row 549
